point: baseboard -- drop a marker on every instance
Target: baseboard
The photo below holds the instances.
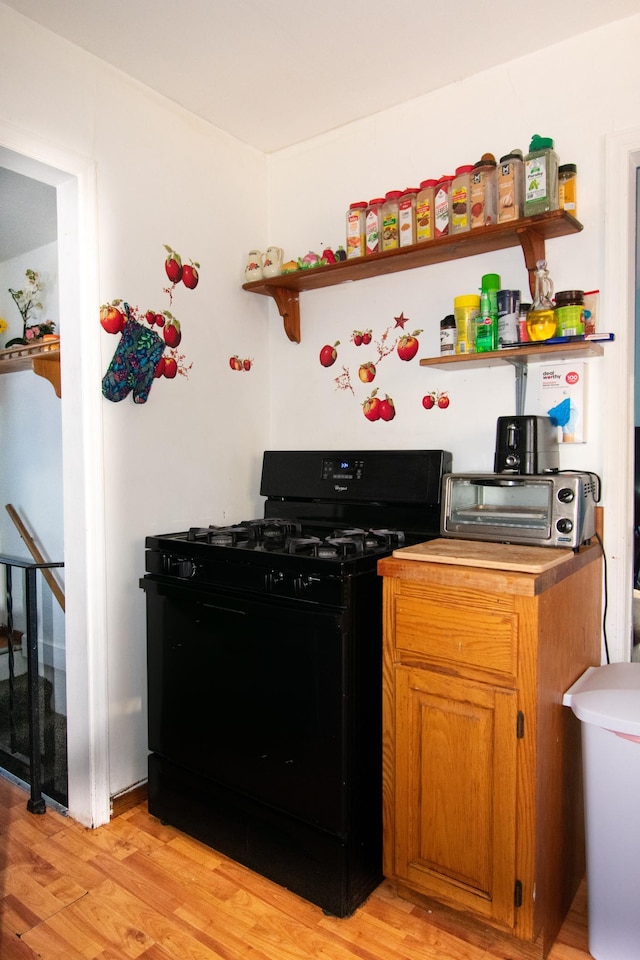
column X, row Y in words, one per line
column 122, row 802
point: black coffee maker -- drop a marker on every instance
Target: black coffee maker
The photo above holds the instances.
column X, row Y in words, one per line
column 526, row 444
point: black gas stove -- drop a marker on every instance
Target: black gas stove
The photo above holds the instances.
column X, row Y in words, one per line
column 264, row 646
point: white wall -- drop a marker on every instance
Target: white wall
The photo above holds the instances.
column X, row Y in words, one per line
column 581, row 93
column 192, row 453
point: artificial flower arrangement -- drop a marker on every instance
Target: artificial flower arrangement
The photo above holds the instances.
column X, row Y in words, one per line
column 28, row 303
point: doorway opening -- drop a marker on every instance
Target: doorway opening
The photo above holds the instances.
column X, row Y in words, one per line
column 73, row 179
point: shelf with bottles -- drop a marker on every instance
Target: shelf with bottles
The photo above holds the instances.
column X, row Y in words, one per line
column 527, row 353
column 530, row 233
column 43, row 357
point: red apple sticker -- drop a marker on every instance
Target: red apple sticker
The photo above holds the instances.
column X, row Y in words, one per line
column 408, row 345
column 371, row 407
column 329, row 354
column 173, row 265
column 190, row 275
column 367, row 372
column 387, row 409
column 111, row 319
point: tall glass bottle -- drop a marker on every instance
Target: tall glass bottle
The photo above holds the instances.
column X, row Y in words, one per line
column 541, row 320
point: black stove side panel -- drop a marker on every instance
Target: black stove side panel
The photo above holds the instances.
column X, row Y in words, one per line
column 409, row 477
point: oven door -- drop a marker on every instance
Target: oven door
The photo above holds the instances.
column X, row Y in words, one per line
column 252, row 695
column 499, row 508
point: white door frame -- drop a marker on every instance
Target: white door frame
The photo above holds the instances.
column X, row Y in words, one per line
column 622, row 159
column 82, row 458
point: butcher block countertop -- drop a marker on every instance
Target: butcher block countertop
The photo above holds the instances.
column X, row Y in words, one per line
column 511, row 567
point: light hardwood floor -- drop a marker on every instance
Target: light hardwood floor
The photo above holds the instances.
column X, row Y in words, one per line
column 137, row 890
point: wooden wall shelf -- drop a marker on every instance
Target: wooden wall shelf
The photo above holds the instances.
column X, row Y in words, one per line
column 530, row 233
column 532, row 353
column 41, row 357
column 519, row 358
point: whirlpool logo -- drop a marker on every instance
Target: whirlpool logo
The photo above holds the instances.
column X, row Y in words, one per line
column 340, row 489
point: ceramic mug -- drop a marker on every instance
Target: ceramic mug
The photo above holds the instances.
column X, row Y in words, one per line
column 272, row 262
column 253, row 269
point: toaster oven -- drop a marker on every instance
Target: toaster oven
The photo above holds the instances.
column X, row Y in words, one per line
column 544, row 510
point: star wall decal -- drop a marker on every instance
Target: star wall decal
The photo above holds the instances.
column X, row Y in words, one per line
column 401, row 320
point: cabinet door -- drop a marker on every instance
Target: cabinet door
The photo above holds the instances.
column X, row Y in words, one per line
column 455, row 791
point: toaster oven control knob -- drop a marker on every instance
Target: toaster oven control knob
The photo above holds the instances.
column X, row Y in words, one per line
column 564, row 525
column 566, row 495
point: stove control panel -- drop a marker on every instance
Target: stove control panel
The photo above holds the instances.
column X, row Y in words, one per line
column 342, row 468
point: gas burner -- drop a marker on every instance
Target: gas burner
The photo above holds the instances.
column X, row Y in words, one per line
column 354, row 532
column 305, row 545
column 222, row 536
column 339, row 547
column 273, row 533
column 391, row 539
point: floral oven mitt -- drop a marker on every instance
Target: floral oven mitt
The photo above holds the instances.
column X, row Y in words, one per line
column 133, row 364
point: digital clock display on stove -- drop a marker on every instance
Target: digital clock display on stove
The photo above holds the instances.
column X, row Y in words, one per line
column 342, row 469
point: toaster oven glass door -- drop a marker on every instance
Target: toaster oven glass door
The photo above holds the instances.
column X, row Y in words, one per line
column 498, row 506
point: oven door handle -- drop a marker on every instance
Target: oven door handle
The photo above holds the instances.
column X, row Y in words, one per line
column 195, row 595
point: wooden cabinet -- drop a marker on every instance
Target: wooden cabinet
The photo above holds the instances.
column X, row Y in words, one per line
column 483, row 817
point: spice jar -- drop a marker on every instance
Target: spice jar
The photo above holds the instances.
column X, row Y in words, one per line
column 448, row 334
column 570, row 313
column 510, row 187
column 483, row 192
column 355, row 229
column 407, row 216
column 373, row 226
column 390, row 215
column 425, row 215
column 568, row 188
column 460, row 196
column 441, row 205
column 465, row 309
column 525, row 309
column 540, row 177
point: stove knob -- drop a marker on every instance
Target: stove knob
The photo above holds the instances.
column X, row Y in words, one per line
column 185, row 569
column 301, row 584
column 273, row 579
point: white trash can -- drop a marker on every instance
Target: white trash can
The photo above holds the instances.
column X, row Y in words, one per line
column 607, row 702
